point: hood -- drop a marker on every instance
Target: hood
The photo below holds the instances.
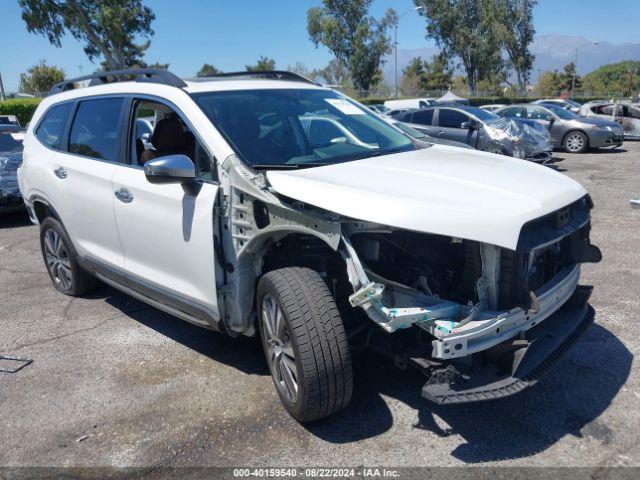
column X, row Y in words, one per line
column 441, row 190
column 600, row 122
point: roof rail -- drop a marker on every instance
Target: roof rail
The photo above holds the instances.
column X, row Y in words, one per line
column 149, row 75
column 264, row 74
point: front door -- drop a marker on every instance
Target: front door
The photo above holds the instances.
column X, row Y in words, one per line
column 450, row 126
column 167, row 234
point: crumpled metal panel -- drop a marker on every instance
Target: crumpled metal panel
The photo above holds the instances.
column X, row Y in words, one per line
column 518, row 138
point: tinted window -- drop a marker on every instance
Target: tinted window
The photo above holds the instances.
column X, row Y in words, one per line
column 51, row 127
column 423, row 117
column 94, row 132
column 158, row 130
column 511, row 112
column 538, row 113
column 451, row 118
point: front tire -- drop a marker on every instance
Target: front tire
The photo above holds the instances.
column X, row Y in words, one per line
column 576, row 142
column 61, row 260
column 305, row 343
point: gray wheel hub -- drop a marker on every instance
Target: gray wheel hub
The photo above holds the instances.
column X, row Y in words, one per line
column 575, row 142
column 58, row 260
column 280, row 354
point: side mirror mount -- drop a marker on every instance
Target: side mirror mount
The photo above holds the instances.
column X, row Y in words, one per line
column 146, row 136
column 172, row 169
column 468, row 125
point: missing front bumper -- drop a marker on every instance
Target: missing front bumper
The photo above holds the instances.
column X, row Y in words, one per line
column 516, row 364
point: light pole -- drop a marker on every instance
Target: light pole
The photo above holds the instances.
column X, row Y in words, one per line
column 395, row 45
column 575, row 65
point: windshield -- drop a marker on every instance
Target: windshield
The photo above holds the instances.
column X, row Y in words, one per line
column 9, row 144
column 298, row 127
column 561, row 112
column 573, row 103
column 412, row 132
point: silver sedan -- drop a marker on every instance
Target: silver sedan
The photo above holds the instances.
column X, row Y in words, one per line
column 568, row 131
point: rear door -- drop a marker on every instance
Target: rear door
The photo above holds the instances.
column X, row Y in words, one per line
column 449, row 126
column 80, row 179
column 166, row 233
column 424, row 118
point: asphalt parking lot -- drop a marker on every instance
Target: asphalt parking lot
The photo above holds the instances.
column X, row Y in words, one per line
column 117, row 383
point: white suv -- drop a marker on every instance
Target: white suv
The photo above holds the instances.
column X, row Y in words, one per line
column 242, row 214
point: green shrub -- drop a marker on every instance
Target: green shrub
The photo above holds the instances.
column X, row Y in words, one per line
column 23, row 108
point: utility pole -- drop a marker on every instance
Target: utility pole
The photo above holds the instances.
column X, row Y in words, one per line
column 395, row 49
column 2, row 96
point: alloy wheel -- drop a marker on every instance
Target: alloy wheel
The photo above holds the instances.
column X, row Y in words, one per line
column 575, row 142
column 58, row 260
column 280, row 354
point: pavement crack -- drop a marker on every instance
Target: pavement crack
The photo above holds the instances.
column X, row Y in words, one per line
column 57, row 337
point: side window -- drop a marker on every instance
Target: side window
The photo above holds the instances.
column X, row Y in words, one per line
column 157, row 130
column 51, row 127
column 511, row 112
column 423, row 117
column 94, row 132
column 451, row 118
column 606, row 110
column 537, row 113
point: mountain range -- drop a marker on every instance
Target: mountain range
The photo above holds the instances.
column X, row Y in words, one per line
column 552, row 52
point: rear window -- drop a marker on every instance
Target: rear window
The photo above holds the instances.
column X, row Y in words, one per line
column 52, row 125
column 94, row 132
column 423, row 117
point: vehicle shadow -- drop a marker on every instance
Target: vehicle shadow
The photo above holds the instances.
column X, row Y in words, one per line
column 601, row 151
column 553, row 164
column 14, row 219
column 243, row 353
column 568, row 401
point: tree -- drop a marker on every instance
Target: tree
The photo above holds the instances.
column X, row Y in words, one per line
column 108, row 28
column 515, row 28
column 207, row 69
column 569, row 78
column 40, row 78
column 412, row 79
column 358, row 41
column 334, row 73
column 466, row 30
column 263, row 64
column 158, row 66
column 437, row 73
column 622, row 78
column 301, row 69
column 549, row 84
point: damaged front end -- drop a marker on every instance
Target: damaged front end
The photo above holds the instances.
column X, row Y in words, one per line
column 494, row 316
column 518, row 138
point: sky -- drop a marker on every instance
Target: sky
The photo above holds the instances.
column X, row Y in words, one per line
column 232, row 34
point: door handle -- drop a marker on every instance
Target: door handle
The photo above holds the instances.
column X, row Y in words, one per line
column 440, row 132
column 124, row 195
column 60, row 173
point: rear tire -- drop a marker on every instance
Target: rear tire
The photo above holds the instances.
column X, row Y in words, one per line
column 61, row 260
column 576, row 142
column 305, row 343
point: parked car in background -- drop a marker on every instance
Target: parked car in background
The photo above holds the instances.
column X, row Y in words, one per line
column 379, row 108
column 9, row 120
column 407, row 103
column 568, row 131
column 10, row 127
column 626, row 114
column 482, row 130
column 493, row 107
column 10, row 160
column 417, row 134
column 565, row 103
column 396, row 111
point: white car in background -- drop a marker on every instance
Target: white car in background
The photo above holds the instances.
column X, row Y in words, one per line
column 624, row 113
column 462, row 264
column 409, row 103
column 565, row 103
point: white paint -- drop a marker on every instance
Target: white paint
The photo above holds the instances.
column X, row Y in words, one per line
column 441, row 190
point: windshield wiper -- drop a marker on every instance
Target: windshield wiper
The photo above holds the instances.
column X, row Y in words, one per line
column 285, row 166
